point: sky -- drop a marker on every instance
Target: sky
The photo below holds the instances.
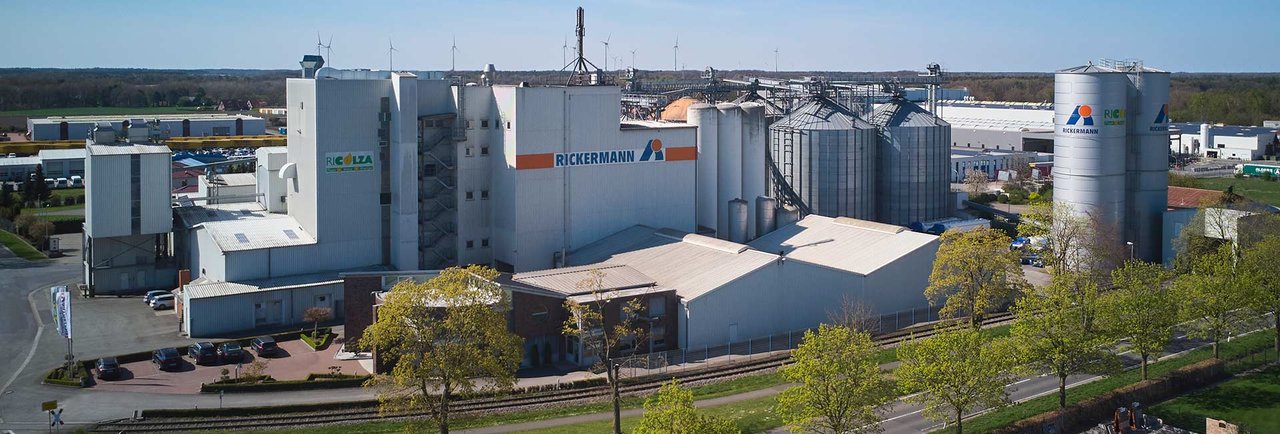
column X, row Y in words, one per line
column 975, row 35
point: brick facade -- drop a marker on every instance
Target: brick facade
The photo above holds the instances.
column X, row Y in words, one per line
column 357, row 292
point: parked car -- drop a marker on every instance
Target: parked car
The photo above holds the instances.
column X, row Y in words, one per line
column 167, row 359
column 107, row 368
column 162, row 302
column 203, row 353
column 151, row 295
column 230, row 352
column 264, row 345
column 77, row 181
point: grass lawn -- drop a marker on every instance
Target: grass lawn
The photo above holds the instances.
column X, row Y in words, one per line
column 1248, row 344
column 20, row 247
column 94, row 111
column 752, row 416
column 66, row 192
column 1253, row 188
column 1252, row 402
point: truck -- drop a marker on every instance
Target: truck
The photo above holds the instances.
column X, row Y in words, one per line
column 1255, row 169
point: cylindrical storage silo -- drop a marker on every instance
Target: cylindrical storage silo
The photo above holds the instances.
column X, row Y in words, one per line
column 766, row 215
column 827, row 155
column 705, row 117
column 729, row 162
column 1089, row 143
column 738, row 220
column 1148, row 161
column 915, row 163
column 788, row 214
column 753, row 149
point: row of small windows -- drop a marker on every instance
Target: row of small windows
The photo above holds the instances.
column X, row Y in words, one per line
column 471, row 195
column 484, row 242
column 484, row 124
column 484, row 150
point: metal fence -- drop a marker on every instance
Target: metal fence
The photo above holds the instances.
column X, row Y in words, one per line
column 757, row 348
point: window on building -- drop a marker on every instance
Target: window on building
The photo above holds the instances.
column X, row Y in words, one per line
column 484, row 123
column 484, row 194
column 657, row 306
column 468, row 124
column 484, row 150
column 484, row 242
column 508, row 125
column 471, row 243
column 658, row 337
column 471, row 195
column 467, row 150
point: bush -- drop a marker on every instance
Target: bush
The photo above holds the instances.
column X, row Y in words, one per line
column 318, row 344
column 79, row 198
column 74, row 377
column 312, row 382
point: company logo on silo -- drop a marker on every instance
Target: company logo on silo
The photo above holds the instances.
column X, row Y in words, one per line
column 653, row 150
column 1083, row 114
column 1161, row 119
column 337, row 162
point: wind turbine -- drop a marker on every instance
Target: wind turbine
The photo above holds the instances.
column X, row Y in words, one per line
column 319, row 45
column 453, row 55
column 606, row 50
column 675, row 63
column 775, row 60
column 391, row 55
column 564, row 52
column 328, row 51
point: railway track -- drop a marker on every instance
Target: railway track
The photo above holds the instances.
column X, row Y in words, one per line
column 368, row 411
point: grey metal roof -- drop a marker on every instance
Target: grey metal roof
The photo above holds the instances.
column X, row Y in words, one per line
column 234, row 179
column 20, row 161
column 899, row 112
column 1089, row 69
column 857, row 246
column 258, row 233
column 204, row 288
column 575, row 280
column 61, row 154
column 820, row 113
column 195, row 117
column 194, row 215
column 1222, row 130
column 127, row 149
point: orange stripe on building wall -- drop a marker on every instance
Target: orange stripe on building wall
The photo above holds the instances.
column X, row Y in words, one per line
column 535, row 161
column 682, row 154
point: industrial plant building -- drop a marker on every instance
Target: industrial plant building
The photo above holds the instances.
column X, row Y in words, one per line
column 166, row 125
column 1223, row 141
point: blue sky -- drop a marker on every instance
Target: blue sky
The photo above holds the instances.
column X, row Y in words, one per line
column 1028, row 35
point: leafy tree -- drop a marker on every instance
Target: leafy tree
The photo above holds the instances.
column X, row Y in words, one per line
column 1211, row 294
column 840, row 386
column 1073, row 242
column 1059, row 329
column 975, row 273
column 586, row 322
column 446, row 336
column 1260, row 262
column 671, row 411
column 956, row 371
column 1140, row 308
column 314, row 315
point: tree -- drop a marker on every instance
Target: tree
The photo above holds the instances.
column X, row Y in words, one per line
column 40, row 231
column 976, row 181
column 36, row 190
column 975, row 273
column 671, row 411
column 1140, row 308
column 840, row 386
column 1072, row 241
column 856, row 315
column 445, row 336
column 314, row 315
column 1020, row 164
column 586, row 322
column 956, row 371
column 1058, row 327
column 1210, row 295
column 1260, row 262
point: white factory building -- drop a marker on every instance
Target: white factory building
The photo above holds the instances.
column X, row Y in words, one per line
column 1008, row 126
column 1221, row 141
column 169, row 125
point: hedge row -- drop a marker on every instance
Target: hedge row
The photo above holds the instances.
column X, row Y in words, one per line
column 313, row 382
column 58, row 376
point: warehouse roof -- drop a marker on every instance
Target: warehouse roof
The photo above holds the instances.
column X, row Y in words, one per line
column 234, row 180
column 976, row 123
column 577, row 280
column 126, row 149
column 61, row 154
column 122, row 118
column 19, row 161
column 857, row 246
column 194, row 215
column 691, row 264
column 1185, row 197
column 205, row 288
column 1223, row 130
column 258, row 233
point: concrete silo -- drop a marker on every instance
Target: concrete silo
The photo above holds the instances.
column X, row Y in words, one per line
column 827, row 154
column 728, row 163
column 1147, row 160
column 915, row 163
column 753, row 161
column 706, row 118
column 1089, row 143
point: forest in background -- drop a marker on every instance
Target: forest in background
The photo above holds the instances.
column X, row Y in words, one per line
column 1237, row 99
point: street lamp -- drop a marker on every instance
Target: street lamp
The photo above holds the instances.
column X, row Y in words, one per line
column 1130, row 244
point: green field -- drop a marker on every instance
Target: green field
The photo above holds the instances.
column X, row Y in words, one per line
column 20, row 247
column 1267, row 192
column 1253, row 402
column 94, row 111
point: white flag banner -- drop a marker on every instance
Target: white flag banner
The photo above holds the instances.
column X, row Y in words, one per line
column 62, row 311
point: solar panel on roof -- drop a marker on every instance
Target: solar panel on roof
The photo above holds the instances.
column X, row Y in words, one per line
column 242, row 238
column 291, row 234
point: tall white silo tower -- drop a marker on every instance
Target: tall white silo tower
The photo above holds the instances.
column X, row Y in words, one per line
column 1090, row 104
column 1148, row 160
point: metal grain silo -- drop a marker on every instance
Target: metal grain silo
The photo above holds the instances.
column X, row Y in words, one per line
column 827, row 155
column 753, row 149
column 915, row 163
column 766, row 215
column 1148, row 160
column 788, row 214
column 738, row 221
column 729, row 162
column 1089, row 120
column 705, row 117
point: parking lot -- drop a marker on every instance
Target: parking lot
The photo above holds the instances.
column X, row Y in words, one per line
column 293, row 362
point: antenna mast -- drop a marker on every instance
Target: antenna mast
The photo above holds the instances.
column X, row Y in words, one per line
column 584, row 72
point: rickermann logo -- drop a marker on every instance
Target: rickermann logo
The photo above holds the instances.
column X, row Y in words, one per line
column 1083, row 114
column 653, row 151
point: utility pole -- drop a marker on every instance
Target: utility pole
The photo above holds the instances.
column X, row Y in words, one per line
column 775, row 60
column 633, row 59
column 675, row 61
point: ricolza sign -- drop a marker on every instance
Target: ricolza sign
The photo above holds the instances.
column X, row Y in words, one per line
column 340, row 162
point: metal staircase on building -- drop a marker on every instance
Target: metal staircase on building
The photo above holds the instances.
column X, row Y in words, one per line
column 437, row 193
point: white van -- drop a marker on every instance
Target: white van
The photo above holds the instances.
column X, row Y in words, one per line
column 77, row 181
column 61, row 183
column 49, row 183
